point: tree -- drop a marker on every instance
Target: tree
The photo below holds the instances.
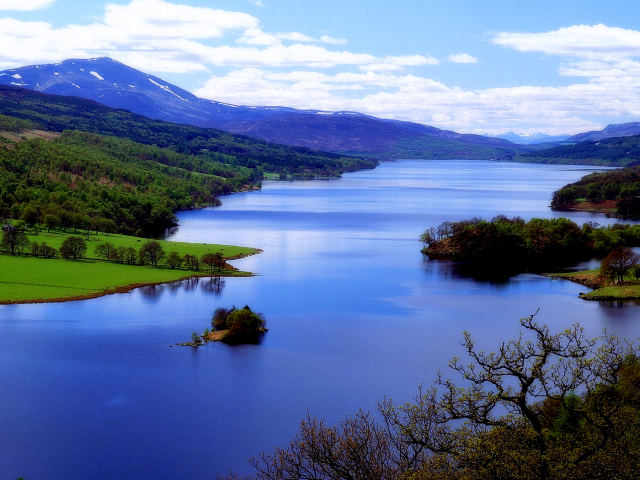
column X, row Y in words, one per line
column 48, row 252
column 244, row 326
column 130, row 256
column 14, row 240
column 213, row 260
column 51, row 222
column 209, row 260
column 105, row 250
column 543, row 406
column 151, row 252
column 118, row 254
column 174, row 259
column 219, row 319
column 192, row 262
column 218, row 260
column 618, row 263
column 73, row 248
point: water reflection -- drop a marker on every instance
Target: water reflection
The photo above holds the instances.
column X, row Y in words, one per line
column 214, row 285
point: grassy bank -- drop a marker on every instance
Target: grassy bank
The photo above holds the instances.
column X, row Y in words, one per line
column 627, row 290
column 26, row 279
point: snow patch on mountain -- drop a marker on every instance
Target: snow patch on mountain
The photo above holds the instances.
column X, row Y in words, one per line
column 167, row 89
column 96, row 74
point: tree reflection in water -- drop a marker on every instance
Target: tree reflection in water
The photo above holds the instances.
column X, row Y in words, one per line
column 214, row 285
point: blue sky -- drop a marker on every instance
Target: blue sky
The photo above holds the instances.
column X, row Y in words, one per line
column 481, row 66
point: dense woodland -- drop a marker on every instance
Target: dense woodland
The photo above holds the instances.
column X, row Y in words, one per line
column 542, row 407
column 79, row 178
column 539, row 242
column 621, row 185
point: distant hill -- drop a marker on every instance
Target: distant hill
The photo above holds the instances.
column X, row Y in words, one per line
column 116, row 85
column 531, row 138
column 614, row 130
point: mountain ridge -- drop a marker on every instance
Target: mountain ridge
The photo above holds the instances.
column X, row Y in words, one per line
column 116, row 85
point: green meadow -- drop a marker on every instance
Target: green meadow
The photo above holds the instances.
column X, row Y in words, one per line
column 26, row 279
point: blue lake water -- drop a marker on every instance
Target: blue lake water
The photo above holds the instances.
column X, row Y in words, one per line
column 92, row 390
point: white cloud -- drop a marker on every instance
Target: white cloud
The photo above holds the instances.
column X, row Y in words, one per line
column 149, row 19
column 24, row 4
column 257, row 3
column 554, row 110
column 333, row 41
column 462, row 58
column 582, row 41
column 295, row 36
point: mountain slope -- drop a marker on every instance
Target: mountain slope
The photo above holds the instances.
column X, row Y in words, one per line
column 116, row 85
column 614, row 130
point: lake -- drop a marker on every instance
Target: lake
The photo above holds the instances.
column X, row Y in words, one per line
column 94, row 390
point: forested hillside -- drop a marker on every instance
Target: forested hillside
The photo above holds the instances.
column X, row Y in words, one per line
column 81, row 180
column 57, row 113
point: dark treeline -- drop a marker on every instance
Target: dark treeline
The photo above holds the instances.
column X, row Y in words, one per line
column 621, row 185
column 58, row 113
column 542, row 407
column 538, row 242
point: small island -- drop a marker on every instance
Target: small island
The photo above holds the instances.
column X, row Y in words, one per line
column 232, row 326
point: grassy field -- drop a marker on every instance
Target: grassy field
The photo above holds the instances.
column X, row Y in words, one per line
column 628, row 290
column 26, row 279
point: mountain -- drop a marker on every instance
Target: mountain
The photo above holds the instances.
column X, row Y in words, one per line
column 531, row 138
column 116, row 85
column 610, row 131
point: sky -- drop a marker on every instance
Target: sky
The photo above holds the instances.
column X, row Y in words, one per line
column 473, row 66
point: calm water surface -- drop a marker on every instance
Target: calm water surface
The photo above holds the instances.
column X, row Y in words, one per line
column 92, row 390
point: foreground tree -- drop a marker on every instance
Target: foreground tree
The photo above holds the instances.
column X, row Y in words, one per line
column 544, row 406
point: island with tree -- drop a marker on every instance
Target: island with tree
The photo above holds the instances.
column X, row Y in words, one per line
column 234, row 326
